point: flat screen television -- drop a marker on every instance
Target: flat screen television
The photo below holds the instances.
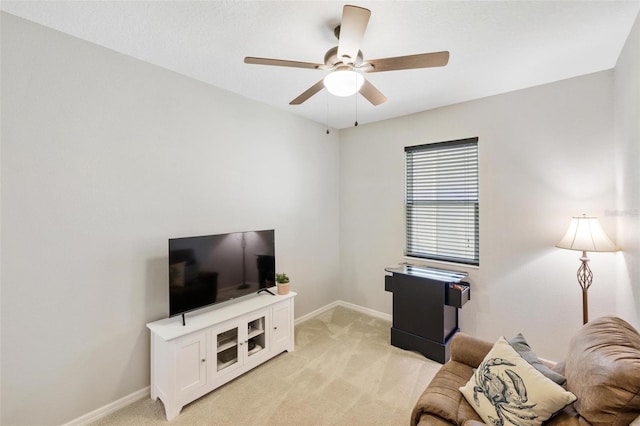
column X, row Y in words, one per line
column 210, row 269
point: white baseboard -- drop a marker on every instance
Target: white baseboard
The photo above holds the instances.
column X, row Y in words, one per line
column 109, row 408
column 316, row 312
column 143, row 393
column 366, row 311
column 362, row 309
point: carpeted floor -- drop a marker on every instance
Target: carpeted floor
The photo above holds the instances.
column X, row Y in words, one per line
column 343, row 372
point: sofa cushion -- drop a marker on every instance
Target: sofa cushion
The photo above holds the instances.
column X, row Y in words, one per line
column 603, row 371
column 506, row 389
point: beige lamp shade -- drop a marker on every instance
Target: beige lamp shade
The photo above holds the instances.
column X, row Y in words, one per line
column 586, row 234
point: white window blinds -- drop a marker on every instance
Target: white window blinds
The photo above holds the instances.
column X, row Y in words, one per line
column 442, row 205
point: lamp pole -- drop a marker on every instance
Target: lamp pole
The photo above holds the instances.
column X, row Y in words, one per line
column 585, row 277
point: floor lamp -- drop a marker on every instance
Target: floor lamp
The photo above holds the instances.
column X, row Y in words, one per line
column 586, row 234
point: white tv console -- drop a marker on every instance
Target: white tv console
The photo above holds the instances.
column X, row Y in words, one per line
column 216, row 346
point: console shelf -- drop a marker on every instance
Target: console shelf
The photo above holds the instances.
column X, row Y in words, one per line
column 236, row 337
column 425, row 308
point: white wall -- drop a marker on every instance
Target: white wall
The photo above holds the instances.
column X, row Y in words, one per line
column 104, row 158
column 627, row 143
column 546, row 154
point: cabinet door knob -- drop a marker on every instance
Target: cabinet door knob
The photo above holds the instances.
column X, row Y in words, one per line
column 204, row 360
column 275, row 328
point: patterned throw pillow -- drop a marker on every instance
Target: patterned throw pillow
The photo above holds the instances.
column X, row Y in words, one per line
column 507, row 390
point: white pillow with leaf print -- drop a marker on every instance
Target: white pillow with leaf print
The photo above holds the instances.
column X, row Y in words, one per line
column 507, row 390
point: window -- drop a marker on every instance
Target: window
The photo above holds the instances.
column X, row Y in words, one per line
column 442, row 205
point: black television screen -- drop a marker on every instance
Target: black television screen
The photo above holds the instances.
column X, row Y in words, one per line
column 211, row 269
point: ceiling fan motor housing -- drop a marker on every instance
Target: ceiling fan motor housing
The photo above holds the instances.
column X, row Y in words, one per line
column 331, row 58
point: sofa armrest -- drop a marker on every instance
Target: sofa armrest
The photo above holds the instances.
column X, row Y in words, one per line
column 469, row 350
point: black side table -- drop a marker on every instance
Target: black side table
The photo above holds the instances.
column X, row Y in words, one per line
column 425, row 308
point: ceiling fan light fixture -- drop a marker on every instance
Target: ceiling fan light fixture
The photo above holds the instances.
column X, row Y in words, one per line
column 343, row 82
column 347, row 62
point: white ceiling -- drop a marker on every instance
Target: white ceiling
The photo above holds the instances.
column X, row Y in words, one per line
column 495, row 46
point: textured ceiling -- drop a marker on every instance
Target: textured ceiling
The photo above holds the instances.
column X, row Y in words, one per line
column 495, row 47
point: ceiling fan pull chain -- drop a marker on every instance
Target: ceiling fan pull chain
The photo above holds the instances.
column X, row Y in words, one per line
column 356, row 96
column 326, row 98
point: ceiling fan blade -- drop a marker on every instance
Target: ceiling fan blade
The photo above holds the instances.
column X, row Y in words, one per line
column 372, row 94
column 422, row 60
column 352, row 28
column 281, row 63
column 308, row 93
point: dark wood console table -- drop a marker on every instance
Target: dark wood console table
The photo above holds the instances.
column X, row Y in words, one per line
column 425, row 308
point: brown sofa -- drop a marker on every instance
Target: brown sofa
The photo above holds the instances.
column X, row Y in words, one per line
column 602, row 369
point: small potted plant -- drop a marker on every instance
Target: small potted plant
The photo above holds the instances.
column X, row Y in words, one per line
column 283, row 283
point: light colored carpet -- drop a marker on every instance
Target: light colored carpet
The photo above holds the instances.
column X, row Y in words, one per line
column 343, row 372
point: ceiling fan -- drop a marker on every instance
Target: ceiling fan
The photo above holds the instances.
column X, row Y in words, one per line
column 347, row 63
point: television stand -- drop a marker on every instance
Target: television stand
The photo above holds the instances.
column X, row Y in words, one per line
column 218, row 345
column 267, row 290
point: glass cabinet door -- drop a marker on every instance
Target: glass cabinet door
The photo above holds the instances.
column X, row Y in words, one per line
column 256, row 338
column 227, row 348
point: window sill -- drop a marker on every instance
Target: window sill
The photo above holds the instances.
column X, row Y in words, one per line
column 428, row 262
